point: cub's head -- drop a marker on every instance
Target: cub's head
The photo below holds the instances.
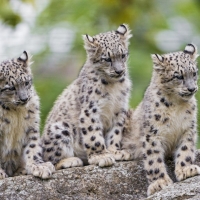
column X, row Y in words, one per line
column 15, row 81
column 177, row 72
column 108, row 52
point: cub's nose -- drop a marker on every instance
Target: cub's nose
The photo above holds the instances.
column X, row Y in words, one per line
column 191, row 89
column 24, row 99
column 119, row 72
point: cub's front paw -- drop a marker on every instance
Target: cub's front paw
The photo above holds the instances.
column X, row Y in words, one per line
column 3, row 174
column 69, row 162
column 186, row 172
column 42, row 170
column 20, row 171
column 103, row 160
column 158, row 185
column 121, row 155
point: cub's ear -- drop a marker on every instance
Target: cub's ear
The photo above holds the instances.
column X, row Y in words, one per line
column 90, row 39
column 24, row 57
column 122, row 29
column 157, row 58
column 125, row 34
column 158, row 61
column 89, row 42
column 192, row 50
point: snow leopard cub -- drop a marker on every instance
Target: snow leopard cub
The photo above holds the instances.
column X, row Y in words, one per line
column 165, row 122
column 20, row 148
column 86, row 122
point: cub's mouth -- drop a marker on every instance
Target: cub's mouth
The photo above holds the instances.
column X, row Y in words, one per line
column 117, row 75
column 187, row 95
column 21, row 103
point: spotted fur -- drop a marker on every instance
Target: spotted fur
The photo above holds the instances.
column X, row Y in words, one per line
column 86, row 122
column 20, row 148
column 165, row 122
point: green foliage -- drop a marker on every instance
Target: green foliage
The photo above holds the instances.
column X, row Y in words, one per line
column 145, row 18
column 7, row 15
column 48, row 89
column 92, row 17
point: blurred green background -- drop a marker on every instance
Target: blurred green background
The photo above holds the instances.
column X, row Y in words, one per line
column 51, row 31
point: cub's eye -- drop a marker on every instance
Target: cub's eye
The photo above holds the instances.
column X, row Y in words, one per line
column 108, row 59
column 12, row 88
column 123, row 56
column 26, row 83
column 180, row 77
column 6, row 89
column 194, row 73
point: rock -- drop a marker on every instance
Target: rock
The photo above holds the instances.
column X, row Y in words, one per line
column 124, row 180
column 187, row 189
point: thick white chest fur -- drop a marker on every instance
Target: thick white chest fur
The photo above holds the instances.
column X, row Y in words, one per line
column 109, row 106
column 177, row 124
column 14, row 128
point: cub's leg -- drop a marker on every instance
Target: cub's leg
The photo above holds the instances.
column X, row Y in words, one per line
column 114, row 138
column 92, row 137
column 32, row 157
column 58, row 148
column 184, row 158
column 154, row 165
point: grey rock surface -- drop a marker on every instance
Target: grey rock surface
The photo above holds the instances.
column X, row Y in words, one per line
column 124, row 180
column 187, row 189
